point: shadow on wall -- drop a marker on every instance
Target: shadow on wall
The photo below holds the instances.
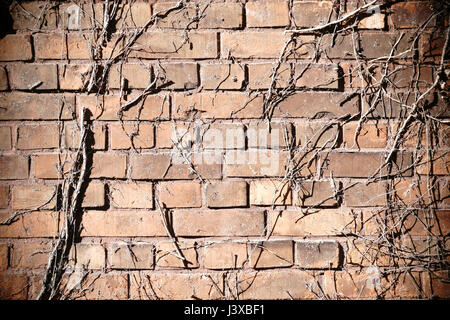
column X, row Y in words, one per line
column 5, row 18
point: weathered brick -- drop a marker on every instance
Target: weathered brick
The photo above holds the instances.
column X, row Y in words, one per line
column 13, row 286
column 38, row 224
column 81, row 17
column 161, row 167
column 271, row 254
column 232, row 222
column 4, row 197
column 312, row 13
column 407, row 76
column 222, row 76
column 3, row 79
column 137, row 14
column 4, row 254
column 13, row 167
column 437, row 164
column 28, row 106
column 415, row 193
column 151, row 107
column 80, row 46
column 221, row 15
column 317, row 76
column 289, row 284
column 172, row 44
column 33, row 76
column 131, row 256
column 14, row 47
column 373, row 17
column 167, row 255
column 74, row 77
column 260, row 75
column 364, row 164
column 107, row 165
column 370, row 135
column 130, row 76
column 6, row 141
column 126, row 136
column 365, row 253
column 435, row 285
column 88, row 256
column 353, row 284
column 223, row 136
column 46, row 165
column 268, row 192
column 30, row 255
column 136, row 195
column 105, row 287
column 178, row 75
column 268, row 134
column 217, row 105
column 318, row 194
column 255, row 44
column 178, row 286
column 411, row 14
column 267, row 14
column 323, row 222
column 361, row 195
column 50, row 46
column 314, row 104
column 226, row 194
column 316, row 134
column 256, row 163
column 176, row 19
column 169, row 132
column 317, row 254
column 94, row 195
column 180, row 194
column 33, row 197
column 225, row 255
column 96, row 137
column 122, row 224
column 36, row 15
column 38, row 137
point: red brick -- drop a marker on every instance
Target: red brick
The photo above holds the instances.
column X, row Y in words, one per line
column 39, row 224
column 233, row 222
column 33, row 197
column 317, row 254
column 353, row 284
column 50, row 46
column 33, row 76
column 172, row 44
column 217, row 105
column 313, row 104
column 122, row 224
column 324, row 222
column 268, row 134
column 14, row 47
column 46, row 165
column 260, row 75
column 3, row 79
column 30, row 255
column 137, row 14
column 80, row 47
column 88, row 256
column 435, row 285
column 252, row 163
column 126, row 136
column 90, row 16
column 178, row 286
column 411, row 14
column 74, row 77
column 94, row 195
column 169, row 132
column 180, row 194
column 317, row 75
column 105, row 108
column 4, row 256
column 226, row 194
column 131, row 256
column 270, row 192
column 267, row 14
column 223, row 136
column 176, row 19
column 363, row 165
column 132, row 195
column 13, row 286
column 160, row 167
column 254, row 44
column 318, row 194
column 96, row 137
column 437, row 164
column 316, row 134
column 415, row 193
column 178, row 75
column 271, row 254
column 134, row 76
column 366, row 253
column 312, row 14
column 361, row 195
column 407, row 76
column 36, row 15
column 38, row 137
column 289, row 284
column 26, row 106
column 107, row 165
column 221, row 15
column 4, row 197
column 167, row 255
column 13, row 167
column 225, row 255
column 370, row 136
column 222, row 76
column 6, row 141
column 105, row 287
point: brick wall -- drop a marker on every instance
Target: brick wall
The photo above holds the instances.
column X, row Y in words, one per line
column 227, row 158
